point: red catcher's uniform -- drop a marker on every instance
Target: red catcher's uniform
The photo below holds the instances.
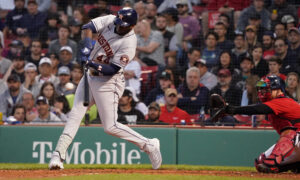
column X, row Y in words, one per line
column 286, row 112
column 175, row 116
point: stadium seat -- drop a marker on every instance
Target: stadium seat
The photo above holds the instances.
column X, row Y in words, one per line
column 148, row 79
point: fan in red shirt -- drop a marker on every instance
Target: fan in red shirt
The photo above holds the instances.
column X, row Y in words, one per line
column 170, row 113
column 284, row 114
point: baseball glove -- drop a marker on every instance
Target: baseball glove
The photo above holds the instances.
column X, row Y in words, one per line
column 217, row 107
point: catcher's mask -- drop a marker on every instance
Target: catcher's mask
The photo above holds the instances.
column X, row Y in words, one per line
column 265, row 86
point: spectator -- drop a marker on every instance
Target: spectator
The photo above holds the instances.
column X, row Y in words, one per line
column 211, row 53
column 153, row 114
column 16, row 47
column 225, row 62
column 140, row 8
column 75, row 31
column 46, row 72
column 13, row 18
column 48, row 91
column 99, row 6
column 223, row 43
column 65, row 85
column 65, row 57
column 260, row 66
column 170, row 113
column 225, row 19
column 139, row 104
column 256, row 8
column 63, row 40
column 207, row 78
column 43, row 5
column 132, row 74
column 4, row 63
column 290, row 21
column 239, row 50
column 173, row 24
column 251, row 37
column 12, row 95
column 192, row 95
column 250, row 92
column 268, row 45
column 17, row 67
column 78, row 16
column 32, row 22
column 170, row 41
column 29, row 103
column 246, row 67
column 274, row 64
column 226, row 89
column 150, row 48
column 49, row 32
column 61, row 108
column 288, row 58
column 157, row 94
column 54, row 62
column 30, row 82
column 279, row 8
column 193, row 55
column 190, row 24
column 255, row 20
column 280, row 30
column 35, row 52
column 45, row 115
column 127, row 114
column 294, row 41
column 151, row 12
column 172, row 4
column 17, row 115
column 76, row 74
column 293, row 86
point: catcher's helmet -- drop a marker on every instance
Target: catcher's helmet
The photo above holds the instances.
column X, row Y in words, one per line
column 272, row 82
column 126, row 17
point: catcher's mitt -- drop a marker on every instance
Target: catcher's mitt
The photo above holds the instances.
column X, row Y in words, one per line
column 217, row 107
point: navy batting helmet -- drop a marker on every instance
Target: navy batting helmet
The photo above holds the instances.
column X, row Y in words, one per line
column 126, row 17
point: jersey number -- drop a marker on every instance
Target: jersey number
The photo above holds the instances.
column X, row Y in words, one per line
column 102, row 60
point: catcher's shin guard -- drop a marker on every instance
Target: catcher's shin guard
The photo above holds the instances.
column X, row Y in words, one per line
column 284, row 148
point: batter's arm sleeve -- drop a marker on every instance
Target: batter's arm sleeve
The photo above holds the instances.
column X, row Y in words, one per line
column 251, row 109
column 105, row 69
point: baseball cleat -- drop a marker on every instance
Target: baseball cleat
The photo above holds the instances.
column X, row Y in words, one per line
column 266, row 169
column 56, row 162
column 154, row 154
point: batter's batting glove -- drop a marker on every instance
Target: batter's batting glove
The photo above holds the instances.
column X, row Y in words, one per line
column 218, row 107
column 95, row 66
column 87, row 49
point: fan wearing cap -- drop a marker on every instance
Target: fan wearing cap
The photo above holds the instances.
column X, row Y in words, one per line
column 30, row 82
column 65, row 57
column 139, row 105
column 13, row 17
column 127, row 114
column 12, row 95
column 65, row 85
column 192, row 95
column 294, row 40
column 157, row 94
column 45, row 115
column 251, row 37
column 33, row 21
column 45, row 70
column 207, row 78
column 16, row 47
column 170, row 113
column 63, row 40
column 153, row 113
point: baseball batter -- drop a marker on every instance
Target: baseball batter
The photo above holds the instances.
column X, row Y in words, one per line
column 115, row 47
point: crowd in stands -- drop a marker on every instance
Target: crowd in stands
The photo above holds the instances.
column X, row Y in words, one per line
column 186, row 50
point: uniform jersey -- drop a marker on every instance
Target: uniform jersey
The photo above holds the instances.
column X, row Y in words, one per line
column 111, row 47
column 286, row 111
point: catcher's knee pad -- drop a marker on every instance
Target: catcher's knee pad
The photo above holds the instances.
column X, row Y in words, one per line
column 283, row 148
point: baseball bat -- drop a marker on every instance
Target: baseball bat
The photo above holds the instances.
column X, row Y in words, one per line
column 86, row 87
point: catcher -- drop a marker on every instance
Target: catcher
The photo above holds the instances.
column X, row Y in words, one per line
column 284, row 115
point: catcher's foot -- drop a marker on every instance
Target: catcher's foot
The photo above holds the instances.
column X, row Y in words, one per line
column 56, row 162
column 266, row 169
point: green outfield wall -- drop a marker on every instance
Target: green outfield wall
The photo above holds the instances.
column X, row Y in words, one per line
column 232, row 147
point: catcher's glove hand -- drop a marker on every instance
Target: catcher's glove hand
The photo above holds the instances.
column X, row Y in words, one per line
column 217, row 107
